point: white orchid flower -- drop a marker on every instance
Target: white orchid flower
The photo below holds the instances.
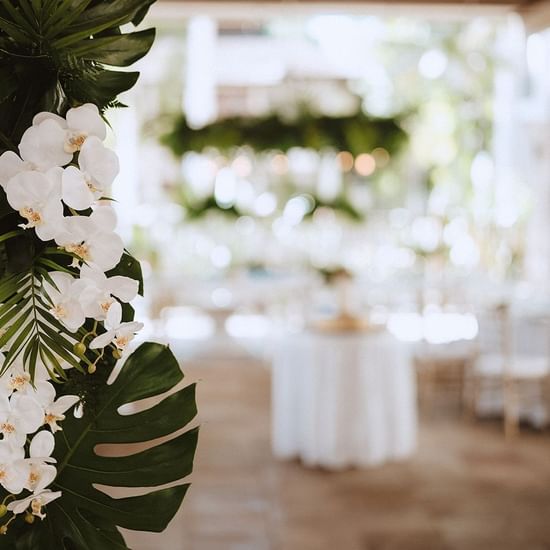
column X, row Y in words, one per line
column 82, row 122
column 12, row 471
column 18, row 379
column 20, row 415
column 15, row 379
column 97, row 296
column 54, row 409
column 53, row 140
column 36, row 502
column 42, row 145
column 10, row 166
column 37, row 198
column 98, row 169
column 92, row 239
column 118, row 333
column 37, row 473
column 66, row 306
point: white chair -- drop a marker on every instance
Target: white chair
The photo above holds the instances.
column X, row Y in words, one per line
column 512, row 372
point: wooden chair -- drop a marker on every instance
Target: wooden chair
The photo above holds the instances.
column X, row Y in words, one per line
column 441, row 372
column 508, row 371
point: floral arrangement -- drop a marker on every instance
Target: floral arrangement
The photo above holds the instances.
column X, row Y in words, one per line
column 66, row 286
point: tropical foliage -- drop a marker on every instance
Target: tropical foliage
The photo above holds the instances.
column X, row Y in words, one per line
column 66, row 284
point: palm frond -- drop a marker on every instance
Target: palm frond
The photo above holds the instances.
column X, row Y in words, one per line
column 29, row 330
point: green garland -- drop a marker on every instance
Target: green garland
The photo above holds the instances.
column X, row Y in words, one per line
column 358, row 133
column 198, row 208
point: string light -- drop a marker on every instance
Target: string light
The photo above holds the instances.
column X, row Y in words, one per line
column 365, row 164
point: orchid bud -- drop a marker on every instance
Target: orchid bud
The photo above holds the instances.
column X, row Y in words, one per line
column 29, row 518
column 79, row 349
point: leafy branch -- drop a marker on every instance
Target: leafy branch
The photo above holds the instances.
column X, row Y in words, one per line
column 29, row 330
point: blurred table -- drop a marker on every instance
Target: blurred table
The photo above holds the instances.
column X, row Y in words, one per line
column 343, row 399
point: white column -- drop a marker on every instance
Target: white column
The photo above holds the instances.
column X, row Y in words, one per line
column 508, row 150
column 200, row 100
column 536, row 132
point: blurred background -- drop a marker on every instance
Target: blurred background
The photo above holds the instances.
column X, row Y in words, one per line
column 343, row 217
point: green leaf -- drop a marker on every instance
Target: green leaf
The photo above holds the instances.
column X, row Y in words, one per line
column 119, row 11
column 28, row 323
column 129, row 267
column 114, row 83
column 18, row 17
column 15, row 31
column 85, row 517
column 120, row 51
column 87, row 32
column 66, row 13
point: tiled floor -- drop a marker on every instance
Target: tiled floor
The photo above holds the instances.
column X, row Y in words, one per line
column 466, row 489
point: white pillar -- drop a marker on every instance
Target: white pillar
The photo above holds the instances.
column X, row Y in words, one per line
column 536, row 132
column 508, row 150
column 200, row 100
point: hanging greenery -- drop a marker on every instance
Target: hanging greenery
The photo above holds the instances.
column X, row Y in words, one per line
column 358, row 133
column 65, row 287
column 197, row 208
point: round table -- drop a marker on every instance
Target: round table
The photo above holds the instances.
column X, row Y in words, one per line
column 343, row 399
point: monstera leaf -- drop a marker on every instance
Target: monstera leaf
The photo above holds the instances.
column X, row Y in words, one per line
column 86, row 518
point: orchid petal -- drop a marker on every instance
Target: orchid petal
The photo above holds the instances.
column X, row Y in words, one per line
column 98, row 161
column 104, row 217
column 43, row 145
column 114, row 316
column 42, row 445
column 86, row 118
column 124, row 288
column 75, row 190
column 10, row 165
column 64, row 403
column 41, row 117
column 102, row 340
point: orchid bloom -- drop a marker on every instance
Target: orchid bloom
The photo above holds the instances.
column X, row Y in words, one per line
column 118, row 333
column 11, row 471
column 42, row 144
column 92, row 239
column 54, row 409
column 20, row 415
column 64, row 297
column 36, row 471
column 37, row 198
column 97, row 296
column 36, row 503
column 98, row 169
column 53, row 140
column 18, row 379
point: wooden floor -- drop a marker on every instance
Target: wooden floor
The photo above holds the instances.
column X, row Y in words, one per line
column 466, row 489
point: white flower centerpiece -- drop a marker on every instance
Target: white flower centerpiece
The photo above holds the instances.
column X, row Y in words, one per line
column 66, row 287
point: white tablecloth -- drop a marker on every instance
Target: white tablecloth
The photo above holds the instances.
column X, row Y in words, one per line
column 342, row 400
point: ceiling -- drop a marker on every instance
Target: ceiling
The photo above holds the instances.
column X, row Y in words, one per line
column 535, row 12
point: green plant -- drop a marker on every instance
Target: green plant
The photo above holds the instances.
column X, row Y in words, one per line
column 53, row 57
column 358, row 133
column 86, row 517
